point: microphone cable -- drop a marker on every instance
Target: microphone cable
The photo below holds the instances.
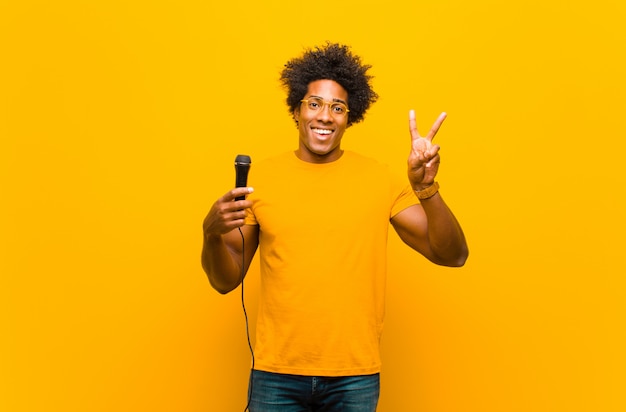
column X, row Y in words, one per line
column 245, row 314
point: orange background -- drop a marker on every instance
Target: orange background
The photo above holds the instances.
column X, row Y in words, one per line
column 119, row 124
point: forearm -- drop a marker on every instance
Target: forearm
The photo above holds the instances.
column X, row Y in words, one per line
column 445, row 236
column 220, row 264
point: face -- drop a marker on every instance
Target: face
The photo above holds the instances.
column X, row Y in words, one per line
column 321, row 131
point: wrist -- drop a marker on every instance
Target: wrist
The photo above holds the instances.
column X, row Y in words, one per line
column 428, row 191
column 212, row 237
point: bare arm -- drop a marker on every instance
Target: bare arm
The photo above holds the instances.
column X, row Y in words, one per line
column 430, row 228
column 225, row 255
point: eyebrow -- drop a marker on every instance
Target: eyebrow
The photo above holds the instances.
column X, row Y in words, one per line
column 334, row 99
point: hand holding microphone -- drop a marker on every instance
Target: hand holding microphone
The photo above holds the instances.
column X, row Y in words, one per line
column 228, row 212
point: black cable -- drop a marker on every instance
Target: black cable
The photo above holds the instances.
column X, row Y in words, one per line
column 245, row 314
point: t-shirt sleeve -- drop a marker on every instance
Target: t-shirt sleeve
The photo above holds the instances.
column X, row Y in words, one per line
column 405, row 198
column 250, row 217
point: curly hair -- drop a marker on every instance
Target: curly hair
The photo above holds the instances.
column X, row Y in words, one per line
column 330, row 62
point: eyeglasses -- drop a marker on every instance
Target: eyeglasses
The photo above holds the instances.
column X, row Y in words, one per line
column 315, row 104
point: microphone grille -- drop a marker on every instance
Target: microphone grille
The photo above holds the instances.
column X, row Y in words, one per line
column 243, row 159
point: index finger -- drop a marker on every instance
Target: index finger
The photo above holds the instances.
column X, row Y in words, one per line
column 237, row 192
column 413, row 125
column 435, row 127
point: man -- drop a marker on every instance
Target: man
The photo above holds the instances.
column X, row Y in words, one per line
column 321, row 216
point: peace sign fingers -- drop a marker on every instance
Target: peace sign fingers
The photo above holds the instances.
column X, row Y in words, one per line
column 433, row 130
column 423, row 159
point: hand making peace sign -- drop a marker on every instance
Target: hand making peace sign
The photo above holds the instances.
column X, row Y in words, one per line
column 423, row 162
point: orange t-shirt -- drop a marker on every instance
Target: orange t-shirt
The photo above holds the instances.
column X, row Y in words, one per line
column 323, row 245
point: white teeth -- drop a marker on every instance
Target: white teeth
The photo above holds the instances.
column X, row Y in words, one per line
column 322, row 131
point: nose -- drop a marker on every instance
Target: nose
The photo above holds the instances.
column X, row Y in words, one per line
column 324, row 113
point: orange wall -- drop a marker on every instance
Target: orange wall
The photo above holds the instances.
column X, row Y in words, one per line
column 119, row 124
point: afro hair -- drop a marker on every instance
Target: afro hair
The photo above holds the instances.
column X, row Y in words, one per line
column 330, row 62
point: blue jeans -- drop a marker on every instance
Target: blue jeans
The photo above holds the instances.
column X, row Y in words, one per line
column 274, row 392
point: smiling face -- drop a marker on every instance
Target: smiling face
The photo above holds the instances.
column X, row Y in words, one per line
column 321, row 131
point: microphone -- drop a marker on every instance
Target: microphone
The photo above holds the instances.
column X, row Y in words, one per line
column 242, row 167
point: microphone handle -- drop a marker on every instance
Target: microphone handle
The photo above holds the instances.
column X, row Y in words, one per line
column 241, row 178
